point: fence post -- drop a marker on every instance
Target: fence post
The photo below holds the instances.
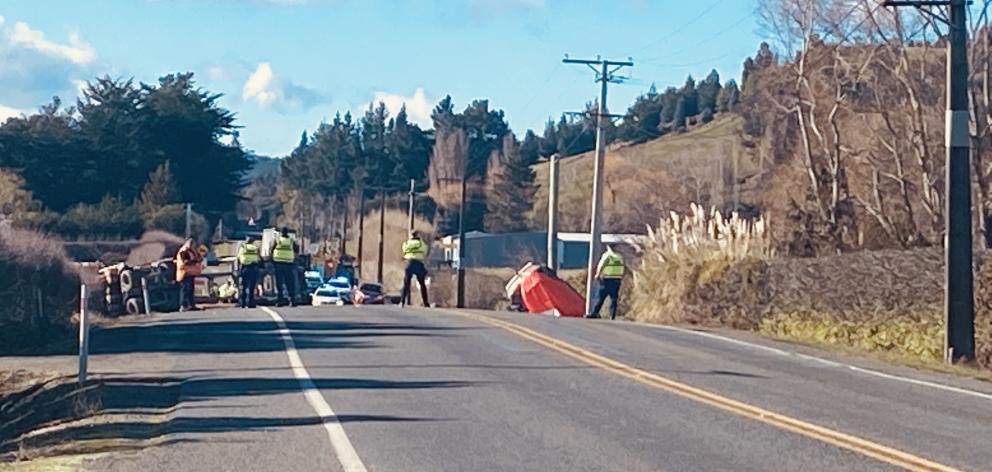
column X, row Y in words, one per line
column 144, row 296
column 84, row 333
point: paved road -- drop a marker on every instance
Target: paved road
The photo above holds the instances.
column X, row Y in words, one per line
column 431, row 390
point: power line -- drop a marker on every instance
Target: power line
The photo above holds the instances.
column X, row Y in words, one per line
column 680, row 28
column 708, row 39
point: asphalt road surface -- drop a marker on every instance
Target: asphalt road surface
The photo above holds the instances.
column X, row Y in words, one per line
column 381, row 388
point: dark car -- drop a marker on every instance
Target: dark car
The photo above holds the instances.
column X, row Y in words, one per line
column 373, row 293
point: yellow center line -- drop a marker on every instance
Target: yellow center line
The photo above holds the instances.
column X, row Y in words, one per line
column 866, row 447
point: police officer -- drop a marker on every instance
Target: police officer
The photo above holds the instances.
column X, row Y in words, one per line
column 283, row 258
column 610, row 273
column 248, row 274
column 414, row 252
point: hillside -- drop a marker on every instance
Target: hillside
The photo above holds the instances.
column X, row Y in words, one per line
column 710, row 164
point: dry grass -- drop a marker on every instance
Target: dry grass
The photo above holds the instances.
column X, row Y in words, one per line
column 395, row 234
column 704, row 269
column 484, row 288
column 644, row 181
column 685, row 253
column 39, row 289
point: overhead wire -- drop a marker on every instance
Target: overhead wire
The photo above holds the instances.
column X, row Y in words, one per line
column 682, row 27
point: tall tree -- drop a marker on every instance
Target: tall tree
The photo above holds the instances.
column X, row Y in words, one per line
column 512, row 193
column 729, row 95
column 708, row 91
column 188, row 125
column 530, row 148
column 161, row 190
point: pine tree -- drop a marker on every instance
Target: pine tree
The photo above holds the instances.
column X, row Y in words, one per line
column 690, row 95
column 161, row 190
column 680, row 114
column 728, row 98
column 708, row 91
column 512, row 194
column 530, row 148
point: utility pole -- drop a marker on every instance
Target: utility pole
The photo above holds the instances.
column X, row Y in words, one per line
column 959, row 310
column 604, row 75
column 382, row 232
column 189, row 222
column 553, row 212
column 413, row 196
column 460, row 296
column 361, row 228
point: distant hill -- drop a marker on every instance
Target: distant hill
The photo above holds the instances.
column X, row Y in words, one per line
column 262, row 165
column 710, row 164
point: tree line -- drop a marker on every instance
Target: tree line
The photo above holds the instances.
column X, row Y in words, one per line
column 121, row 159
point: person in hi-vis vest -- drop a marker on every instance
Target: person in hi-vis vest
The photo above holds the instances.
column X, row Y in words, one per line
column 248, row 258
column 415, row 253
column 189, row 264
column 610, row 273
column 283, row 252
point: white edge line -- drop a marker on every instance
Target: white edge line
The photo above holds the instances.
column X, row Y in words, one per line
column 862, row 370
column 345, row 452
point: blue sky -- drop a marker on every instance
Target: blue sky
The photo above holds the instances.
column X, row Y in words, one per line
column 285, row 65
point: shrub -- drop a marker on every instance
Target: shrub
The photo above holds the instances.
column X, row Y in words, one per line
column 32, row 265
column 172, row 219
column 685, row 253
column 112, row 217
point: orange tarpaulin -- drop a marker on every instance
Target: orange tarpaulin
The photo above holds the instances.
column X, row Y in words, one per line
column 543, row 293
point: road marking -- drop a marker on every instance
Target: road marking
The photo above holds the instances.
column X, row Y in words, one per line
column 346, row 453
column 843, row 440
column 781, row 352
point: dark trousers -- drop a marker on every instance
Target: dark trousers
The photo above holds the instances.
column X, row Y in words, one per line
column 285, row 278
column 186, row 297
column 247, row 281
column 608, row 288
column 414, row 268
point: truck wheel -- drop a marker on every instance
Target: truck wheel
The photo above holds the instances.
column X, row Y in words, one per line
column 127, row 281
column 133, row 306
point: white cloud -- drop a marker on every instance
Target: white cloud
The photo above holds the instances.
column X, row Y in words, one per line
column 259, row 86
column 34, row 68
column 8, row 112
column 216, row 73
column 268, row 90
column 418, row 107
column 76, row 51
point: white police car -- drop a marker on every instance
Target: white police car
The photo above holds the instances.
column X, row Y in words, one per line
column 333, row 292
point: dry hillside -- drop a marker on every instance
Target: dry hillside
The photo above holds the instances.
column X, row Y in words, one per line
column 711, row 164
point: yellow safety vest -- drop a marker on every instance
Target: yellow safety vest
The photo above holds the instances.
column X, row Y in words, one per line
column 613, row 267
column 283, row 251
column 415, row 250
column 247, row 254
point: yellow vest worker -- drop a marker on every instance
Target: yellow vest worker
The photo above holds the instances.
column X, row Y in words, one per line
column 283, row 250
column 611, row 265
column 284, row 256
column 248, row 259
column 610, row 273
column 415, row 253
column 414, row 249
column 248, row 254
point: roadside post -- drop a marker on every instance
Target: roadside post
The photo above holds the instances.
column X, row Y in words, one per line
column 553, row 212
column 144, row 296
column 84, row 333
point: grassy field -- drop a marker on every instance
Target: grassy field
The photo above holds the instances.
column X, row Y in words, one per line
column 644, row 181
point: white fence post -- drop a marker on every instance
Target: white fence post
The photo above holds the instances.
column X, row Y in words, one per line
column 144, row 296
column 84, row 333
